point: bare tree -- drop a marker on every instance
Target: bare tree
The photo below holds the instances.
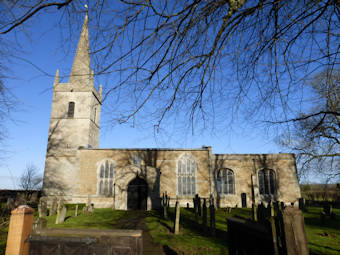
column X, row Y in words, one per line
column 30, row 180
column 203, row 61
column 315, row 134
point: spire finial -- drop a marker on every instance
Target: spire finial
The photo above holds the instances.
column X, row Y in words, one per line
column 81, row 70
column 56, row 78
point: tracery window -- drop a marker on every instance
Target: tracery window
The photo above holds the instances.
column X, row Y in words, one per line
column 105, row 180
column 225, row 181
column 70, row 111
column 267, row 181
column 186, row 180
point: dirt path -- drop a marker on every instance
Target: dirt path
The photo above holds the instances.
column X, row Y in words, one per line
column 136, row 220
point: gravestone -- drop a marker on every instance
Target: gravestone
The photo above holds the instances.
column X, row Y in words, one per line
column 254, row 212
column 54, row 207
column 195, row 200
column 10, row 203
column 76, row 210
column 85, row 242
column 88, row 209
column 61, row 213
column 295, row 234
column 39, row 224
column 199, row 207
column 178, row 212
column 91, row 208
column 327, row 208
column 212, row 216
column 204, row 212
column 302, row 203
column 42, row 208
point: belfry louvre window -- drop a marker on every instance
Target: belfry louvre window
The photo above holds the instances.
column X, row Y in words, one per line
column 70, row 112
column 225, row 181
column 186, row 179
column 105, row 180
column 267, row 181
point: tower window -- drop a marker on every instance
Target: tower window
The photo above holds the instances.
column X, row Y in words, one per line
column 70, row 112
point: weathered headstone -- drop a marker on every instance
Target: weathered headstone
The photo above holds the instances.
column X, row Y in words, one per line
column 91, row 208
column 61, row 213
column 39, row 224
column 212, row 216
column 295, row 234
column 327, row 208
column 254, row 212
column 54, row 207
column 10, row 203
column 76, row 210
column 20, row 226
column 199, row 207
column 196, row 199
column 178, row 212
column 302, row 204
column 204, row 212
column 42, row 208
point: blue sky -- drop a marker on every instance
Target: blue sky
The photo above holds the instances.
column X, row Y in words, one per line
column 41, row 44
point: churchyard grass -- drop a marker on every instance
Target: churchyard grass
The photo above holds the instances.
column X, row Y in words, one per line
column 194, row 238
column 322, row 239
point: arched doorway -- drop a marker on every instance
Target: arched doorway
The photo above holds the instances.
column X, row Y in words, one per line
column 137, row 194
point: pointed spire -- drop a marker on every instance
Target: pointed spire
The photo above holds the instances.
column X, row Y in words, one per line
column 80, row 72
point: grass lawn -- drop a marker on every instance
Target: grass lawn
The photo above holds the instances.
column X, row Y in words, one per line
column 193, row 237
column 322, row 239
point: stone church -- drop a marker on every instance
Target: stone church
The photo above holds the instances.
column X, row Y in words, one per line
column 77, row 171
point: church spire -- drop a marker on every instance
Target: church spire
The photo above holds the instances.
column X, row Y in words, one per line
column 81, row 69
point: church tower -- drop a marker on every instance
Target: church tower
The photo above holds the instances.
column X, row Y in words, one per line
column 74, row 123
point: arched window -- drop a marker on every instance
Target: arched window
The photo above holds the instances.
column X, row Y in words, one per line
column 267, row 181
column 105, row 179
column 186, row 181
column 225, row 181
column 70, row 112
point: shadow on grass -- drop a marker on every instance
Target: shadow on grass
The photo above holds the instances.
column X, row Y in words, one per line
column 187, row 221
column 168, row 251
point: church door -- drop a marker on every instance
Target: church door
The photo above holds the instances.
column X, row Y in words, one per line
column 137, row 194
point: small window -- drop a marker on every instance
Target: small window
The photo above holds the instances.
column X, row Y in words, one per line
column 70, row 112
